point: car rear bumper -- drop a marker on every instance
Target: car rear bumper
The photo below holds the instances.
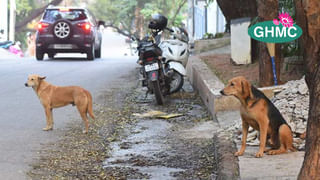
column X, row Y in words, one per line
column 76, row 43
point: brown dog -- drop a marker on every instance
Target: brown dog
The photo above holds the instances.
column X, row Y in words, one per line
column 258, row 112
column 55, row 96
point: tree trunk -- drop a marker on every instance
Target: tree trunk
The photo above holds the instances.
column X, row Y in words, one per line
column 34, row 14
column 139, row 19
column 308, row 18
column 268, row 10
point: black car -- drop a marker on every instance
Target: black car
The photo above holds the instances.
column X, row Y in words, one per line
column 68, row 30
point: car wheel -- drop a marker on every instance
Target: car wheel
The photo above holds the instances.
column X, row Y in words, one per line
column 39, row 55
column 62, row 29
column 51, row 55
column 97, row 52
column 90, row 53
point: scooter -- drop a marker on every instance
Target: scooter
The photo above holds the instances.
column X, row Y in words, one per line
column 176, row 48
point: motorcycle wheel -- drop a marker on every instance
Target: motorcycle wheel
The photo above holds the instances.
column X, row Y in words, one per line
column 157, row 92
column 176, row 82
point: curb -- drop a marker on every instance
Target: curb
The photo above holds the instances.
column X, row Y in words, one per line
column 204, row 81
column 208, row 85
column 227, row 163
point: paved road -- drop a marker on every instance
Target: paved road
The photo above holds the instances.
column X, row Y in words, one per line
column 21, row 115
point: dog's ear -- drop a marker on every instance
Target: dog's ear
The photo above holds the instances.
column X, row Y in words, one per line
column 42, row 77
column 246, row 89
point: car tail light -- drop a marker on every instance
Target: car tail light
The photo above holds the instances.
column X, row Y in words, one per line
column 85, row 26
column 42, row 25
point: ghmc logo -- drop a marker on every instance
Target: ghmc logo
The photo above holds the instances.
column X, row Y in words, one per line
column 276, row 31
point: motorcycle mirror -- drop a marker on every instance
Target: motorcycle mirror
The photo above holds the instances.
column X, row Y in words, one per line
column 169, row 29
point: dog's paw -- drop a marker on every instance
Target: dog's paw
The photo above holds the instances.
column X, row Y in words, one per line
column 278, row 151
column 259, row 154
column 272, row 152
column 47, row 129
column 85, row 132
column 238, row 153
column 267, row 150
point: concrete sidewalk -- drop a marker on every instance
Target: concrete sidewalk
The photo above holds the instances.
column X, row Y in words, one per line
column 225, row 109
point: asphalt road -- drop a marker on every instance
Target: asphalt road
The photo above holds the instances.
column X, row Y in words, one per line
column 21, row 115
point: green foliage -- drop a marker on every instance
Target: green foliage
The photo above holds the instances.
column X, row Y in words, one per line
column 121, row 13
column 288, row 6
column 290, row 49
column 211, row 36
column 150, row 9
column 208, row 36
column 167, row 8
column 24, row 7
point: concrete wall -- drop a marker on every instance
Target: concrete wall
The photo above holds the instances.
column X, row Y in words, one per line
column 210, row 44
column 240, row 41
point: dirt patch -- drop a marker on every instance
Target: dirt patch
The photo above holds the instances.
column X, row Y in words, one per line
column 221, row 65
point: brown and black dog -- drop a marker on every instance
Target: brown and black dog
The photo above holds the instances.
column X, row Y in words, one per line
column 258, row 112
column 52, row 96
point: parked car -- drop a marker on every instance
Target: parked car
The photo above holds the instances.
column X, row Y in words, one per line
column 68, row 30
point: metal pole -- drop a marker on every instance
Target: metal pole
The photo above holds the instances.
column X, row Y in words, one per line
column 12, row 20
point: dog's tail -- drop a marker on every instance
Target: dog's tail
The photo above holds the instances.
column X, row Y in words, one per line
column 89, row 108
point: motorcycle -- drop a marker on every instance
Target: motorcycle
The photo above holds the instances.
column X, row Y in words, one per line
column 161, row 76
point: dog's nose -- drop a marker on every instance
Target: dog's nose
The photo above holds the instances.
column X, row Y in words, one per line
column 26, row 84
column 221, row 92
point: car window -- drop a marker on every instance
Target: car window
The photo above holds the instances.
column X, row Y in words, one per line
column 71, row 15
column 91, row 18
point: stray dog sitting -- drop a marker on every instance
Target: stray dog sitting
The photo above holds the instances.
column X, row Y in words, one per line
column 52, row 96
column 258, row 112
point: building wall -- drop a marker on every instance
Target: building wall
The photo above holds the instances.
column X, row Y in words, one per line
column 204, row 19
column 216, row 20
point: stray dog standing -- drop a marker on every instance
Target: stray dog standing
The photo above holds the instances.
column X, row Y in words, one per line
column 56, row 96
column 258, row 112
